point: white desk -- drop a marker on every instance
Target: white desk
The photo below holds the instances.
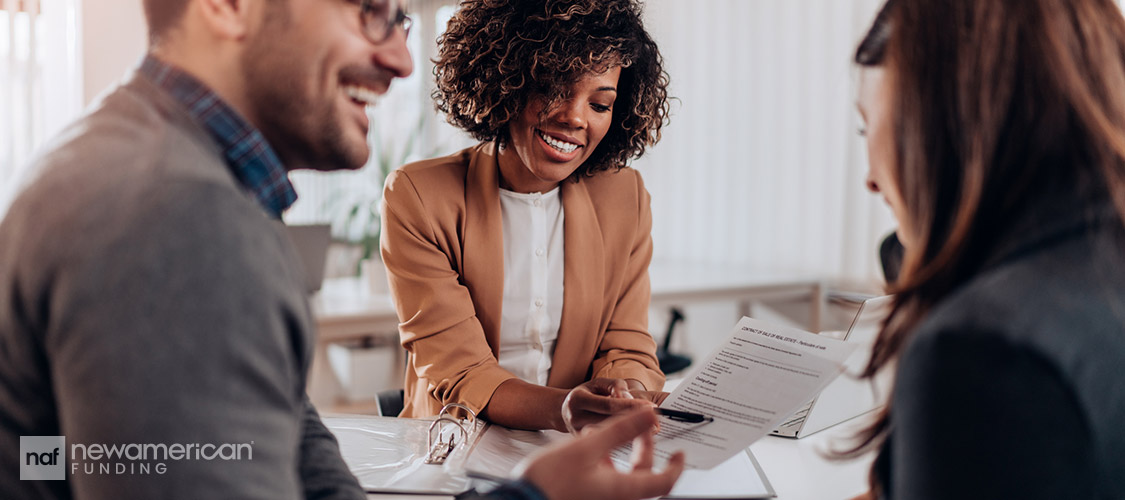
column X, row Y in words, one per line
column 346, row 310
column 798, row 470
column 795, row 468
column 682, row 283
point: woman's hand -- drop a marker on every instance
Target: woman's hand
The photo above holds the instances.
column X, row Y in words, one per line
column 637, row 390
column 581, row 470
column 599, row 399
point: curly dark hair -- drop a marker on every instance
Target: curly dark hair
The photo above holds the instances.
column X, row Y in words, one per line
column 498, row 55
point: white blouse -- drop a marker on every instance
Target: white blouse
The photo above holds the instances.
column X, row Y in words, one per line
column 533, row 282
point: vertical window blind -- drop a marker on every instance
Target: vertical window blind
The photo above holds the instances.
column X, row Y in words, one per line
column 40, row 81
column 761, row 165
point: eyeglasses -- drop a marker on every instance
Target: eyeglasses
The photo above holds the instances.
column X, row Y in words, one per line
column 380, row 17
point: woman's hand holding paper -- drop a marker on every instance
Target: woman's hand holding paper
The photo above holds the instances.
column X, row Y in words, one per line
column 599, row 399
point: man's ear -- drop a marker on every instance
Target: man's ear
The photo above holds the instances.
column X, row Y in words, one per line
column 230, row 19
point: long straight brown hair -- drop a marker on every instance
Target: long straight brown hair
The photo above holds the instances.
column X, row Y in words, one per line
column 996, row 103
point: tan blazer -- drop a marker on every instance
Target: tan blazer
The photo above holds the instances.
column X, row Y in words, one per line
column 442, row 243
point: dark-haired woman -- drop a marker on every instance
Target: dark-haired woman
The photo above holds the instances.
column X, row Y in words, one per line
column 519, row 266
column 996, row 132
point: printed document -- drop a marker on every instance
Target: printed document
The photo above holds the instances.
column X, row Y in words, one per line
column 760, row 375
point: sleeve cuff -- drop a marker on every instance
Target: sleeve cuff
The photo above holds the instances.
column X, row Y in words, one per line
column 653, row 380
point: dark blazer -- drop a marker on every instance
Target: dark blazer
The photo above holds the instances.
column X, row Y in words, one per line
column 1014, row 386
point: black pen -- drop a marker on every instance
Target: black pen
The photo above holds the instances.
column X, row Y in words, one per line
column 684, row 416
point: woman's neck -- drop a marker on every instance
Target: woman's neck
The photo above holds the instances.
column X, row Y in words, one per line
column 515, row 176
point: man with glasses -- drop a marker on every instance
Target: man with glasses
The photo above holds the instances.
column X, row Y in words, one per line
column 149, row 295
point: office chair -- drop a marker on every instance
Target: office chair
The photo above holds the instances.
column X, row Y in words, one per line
column 890, row 256
column 390, row 402
column 671, row 363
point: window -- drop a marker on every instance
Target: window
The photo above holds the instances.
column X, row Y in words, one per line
column 40, row 82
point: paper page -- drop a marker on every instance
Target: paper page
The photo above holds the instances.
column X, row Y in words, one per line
column 756, row 378
column 501, row 449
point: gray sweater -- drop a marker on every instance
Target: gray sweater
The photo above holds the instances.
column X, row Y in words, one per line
column 146, row 299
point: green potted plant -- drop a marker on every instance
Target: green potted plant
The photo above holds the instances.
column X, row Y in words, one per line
column 355, row 205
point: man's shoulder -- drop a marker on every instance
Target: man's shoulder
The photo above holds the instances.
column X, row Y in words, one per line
column 133, row 130
column 126, row 157
column 130, row 140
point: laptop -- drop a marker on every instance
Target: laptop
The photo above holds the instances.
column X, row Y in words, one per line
column 848, row 396
column 311, row 242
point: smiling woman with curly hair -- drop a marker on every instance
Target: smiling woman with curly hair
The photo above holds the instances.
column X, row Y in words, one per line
column 519, row 266
column 497, row 55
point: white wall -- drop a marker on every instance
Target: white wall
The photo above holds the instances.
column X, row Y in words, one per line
column 761, row 164
column 113, row 41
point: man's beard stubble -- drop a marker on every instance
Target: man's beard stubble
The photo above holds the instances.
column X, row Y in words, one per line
column 304, row 133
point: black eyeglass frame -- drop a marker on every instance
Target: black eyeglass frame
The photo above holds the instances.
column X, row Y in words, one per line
column 378, row 27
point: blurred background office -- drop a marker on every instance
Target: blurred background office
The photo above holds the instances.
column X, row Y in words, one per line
column 761, row 166
column 761, row 163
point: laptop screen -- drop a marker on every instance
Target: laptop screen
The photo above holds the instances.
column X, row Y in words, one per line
column 311, row 242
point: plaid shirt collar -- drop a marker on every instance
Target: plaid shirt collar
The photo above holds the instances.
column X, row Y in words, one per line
column 251, row 159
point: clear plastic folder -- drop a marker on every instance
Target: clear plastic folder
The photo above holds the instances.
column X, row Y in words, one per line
column 406, row 455
column 389, row 455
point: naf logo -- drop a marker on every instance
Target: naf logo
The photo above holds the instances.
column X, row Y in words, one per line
column 42, row 458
